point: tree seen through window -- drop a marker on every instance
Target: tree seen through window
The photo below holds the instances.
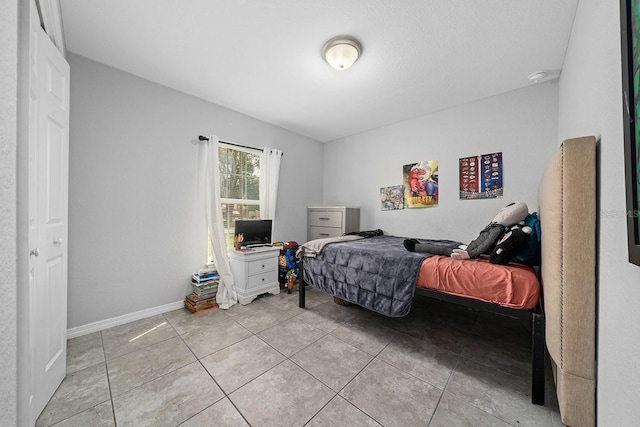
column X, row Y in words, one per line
column 239, row 188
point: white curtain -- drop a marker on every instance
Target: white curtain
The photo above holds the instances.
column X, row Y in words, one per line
column 269, row 175
column 226, row 296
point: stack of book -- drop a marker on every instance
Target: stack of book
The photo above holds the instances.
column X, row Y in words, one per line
column 205, row 287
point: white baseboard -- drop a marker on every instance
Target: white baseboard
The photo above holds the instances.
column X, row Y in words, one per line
column 121, row 320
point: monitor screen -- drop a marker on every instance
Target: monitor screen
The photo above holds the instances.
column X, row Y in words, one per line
column 255, row 232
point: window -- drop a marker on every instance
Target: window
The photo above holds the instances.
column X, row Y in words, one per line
column 239, row 187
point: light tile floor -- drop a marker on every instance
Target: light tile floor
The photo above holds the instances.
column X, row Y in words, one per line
column 270, row 363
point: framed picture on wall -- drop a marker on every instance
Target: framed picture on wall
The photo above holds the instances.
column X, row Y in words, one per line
column 630, row 35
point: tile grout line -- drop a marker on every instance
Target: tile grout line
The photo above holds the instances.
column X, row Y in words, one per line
column 459, row 359
column 253, row 334
column 67, row 374
column 225, row 395
column 444, row 389
column 106, row 368
column 309, row 373
column 359, row 372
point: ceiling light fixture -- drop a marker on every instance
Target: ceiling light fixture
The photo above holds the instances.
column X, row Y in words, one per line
column 544, row 76
column 537, row 77
column 341, row 52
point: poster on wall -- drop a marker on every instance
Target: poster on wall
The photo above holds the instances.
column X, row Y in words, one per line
column 481, row 177
column 392, row 198
column 420, row 184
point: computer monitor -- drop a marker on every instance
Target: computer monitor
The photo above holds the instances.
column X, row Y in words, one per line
column 255, row 232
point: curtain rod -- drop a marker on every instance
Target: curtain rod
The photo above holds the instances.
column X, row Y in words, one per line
column 206, row 138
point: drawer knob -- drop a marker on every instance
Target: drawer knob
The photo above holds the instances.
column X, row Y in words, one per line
column 324, row 219
column 262, row 265
column 323, row 234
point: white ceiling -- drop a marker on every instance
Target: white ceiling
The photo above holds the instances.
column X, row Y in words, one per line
column 262, row 57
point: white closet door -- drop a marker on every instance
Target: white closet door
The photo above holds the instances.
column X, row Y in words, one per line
column 48, row 217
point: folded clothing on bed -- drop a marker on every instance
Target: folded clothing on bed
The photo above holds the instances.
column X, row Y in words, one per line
column 314, row 247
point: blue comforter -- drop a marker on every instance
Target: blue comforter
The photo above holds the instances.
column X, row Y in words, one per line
column 377, row 273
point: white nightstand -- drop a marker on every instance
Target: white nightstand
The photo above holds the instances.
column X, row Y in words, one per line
column 255, row 272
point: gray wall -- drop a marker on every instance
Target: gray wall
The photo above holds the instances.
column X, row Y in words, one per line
column 521, row 124
column 591, row 104
column 137, row 228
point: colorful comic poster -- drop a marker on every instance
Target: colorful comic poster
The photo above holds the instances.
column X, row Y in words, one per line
column 391, row 198
column 420, row 184
column 481, row 177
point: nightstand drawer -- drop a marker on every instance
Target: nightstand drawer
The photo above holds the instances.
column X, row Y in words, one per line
column 324, row 232
column 325, row 218
column 262, row 279
column 262, row 265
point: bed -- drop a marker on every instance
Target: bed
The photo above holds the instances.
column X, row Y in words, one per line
column 560, row 306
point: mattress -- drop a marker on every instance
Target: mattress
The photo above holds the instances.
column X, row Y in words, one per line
column 512, row 286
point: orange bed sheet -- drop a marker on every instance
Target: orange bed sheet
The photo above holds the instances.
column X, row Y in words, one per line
column 513, row 285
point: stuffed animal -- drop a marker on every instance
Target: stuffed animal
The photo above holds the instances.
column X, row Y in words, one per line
column 486, row 240
column 510, row 244
column 290, row 249
column 530, row 254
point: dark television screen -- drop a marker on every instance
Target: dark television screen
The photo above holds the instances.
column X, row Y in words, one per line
column 255, row 232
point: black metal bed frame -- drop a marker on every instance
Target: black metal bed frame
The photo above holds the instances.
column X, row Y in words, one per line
column 535, row 317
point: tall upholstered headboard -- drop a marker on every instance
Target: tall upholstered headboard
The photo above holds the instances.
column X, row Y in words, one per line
column 567, row 210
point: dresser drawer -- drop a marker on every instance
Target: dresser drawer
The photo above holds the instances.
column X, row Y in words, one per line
column 325, row 218
column 262, row 265
column 324, row 232
column 331, row 221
